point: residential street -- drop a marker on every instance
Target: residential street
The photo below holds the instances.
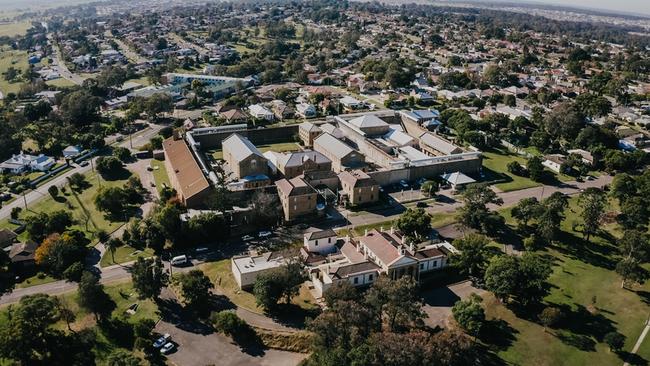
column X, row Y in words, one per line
column 59, row 65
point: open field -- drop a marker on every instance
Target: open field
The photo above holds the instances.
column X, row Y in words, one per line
column 9, row 58
column 15, row 28
column 495, row 164
column 585, row 286
column 60, row 83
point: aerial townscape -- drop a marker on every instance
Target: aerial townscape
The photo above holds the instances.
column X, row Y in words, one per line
column 324, row 183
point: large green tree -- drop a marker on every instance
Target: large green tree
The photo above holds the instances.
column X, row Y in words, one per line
column 148, row 277
column 592, row 201
column 415, row 224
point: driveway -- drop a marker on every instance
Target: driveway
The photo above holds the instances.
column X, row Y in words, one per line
column 203, row 348
column 439, row 301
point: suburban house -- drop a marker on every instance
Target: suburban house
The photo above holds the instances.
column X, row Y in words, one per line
column 185, row 175
column 246, row 268
column 554, row 162
column 298, row 198
column 296, row 163
column 358, row 188
column 306, row 110
column 7, row 238
column 243, row 158
column 234, row 116
column 281, row 110
column 261, row 112
column 24, row 162
column 308, row 133
column 343, row 157
column 71, row 151
column 585, row 156
column 22, row 256
column 350, row 103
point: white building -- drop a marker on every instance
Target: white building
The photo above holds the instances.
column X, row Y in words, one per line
column 23, row 162
column 261, row 112
column 321, row 241
column 245, row 269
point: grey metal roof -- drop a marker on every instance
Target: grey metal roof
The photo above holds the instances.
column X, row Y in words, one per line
column 369, row 120
column 298, row 158
column 333, row 145
column 439, row 144
column 240, row 147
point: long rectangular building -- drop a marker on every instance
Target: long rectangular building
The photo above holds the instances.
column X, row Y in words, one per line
column 184, row 173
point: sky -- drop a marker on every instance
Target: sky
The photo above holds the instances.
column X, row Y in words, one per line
column 641, row 7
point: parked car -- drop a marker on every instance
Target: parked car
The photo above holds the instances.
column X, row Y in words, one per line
column 404, row 184
column 179, row 260
column 201, row 249
column 247, row 238
column 84, row 163
column 164, row 339
column 264, row 234
column 167, row 348
column 421, row 204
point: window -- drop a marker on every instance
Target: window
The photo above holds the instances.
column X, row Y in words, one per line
column 329, row 240
column 317, row 242
column 356, row 280
column 421, row 266
column 435, row 264
column 370, row 277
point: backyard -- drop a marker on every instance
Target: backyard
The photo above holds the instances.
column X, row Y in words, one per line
column 584, row 285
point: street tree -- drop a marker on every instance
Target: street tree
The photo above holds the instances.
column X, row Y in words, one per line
column 148, row 277
column 535, row 169
column 91, row 296
column 475, row 214
column 526, row 209
column 195, row 287
column 548, row 223
column 501, row 276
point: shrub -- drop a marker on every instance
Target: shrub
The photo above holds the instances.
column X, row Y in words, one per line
column 53, row 191
column 228, row 323
column 615, row 341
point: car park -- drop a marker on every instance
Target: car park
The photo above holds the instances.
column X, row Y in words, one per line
column 167, row 348
column 164, row 339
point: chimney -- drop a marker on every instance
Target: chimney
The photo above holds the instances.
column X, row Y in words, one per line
column 412, row 247
column 392, row 230
column 347, row 238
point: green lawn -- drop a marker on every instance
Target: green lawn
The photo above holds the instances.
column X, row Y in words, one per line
column 582, row 272
column 35, row 280
column 60, row 83
column 8, row 58
column 495, row 164
column 160, row 174
column 88, row 218
column 220, row 274
column 124, row 254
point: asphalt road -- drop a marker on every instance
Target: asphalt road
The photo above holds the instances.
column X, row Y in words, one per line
column 59, row 65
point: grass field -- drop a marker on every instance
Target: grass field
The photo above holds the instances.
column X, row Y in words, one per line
column 585, row 286
column 124, row 254
column 81, row 206
column 15, row 28
column 495, row 164
column 160, row 174
column 60, row 83
column 35, row 280
column 8, row 58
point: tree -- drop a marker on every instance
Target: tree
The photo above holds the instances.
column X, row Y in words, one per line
column 469, row 314
column 80, row 108
column 7, row 277
column 473, row 255
column 158, row 103
column 91, row 296
column 475, row 213
column 195, row 287
column 635, row 244
column 550, row 316
column 623, row 186
column 535, row 169
column 266, row 208
column 122, row 153
column 415, row 224
column 60, row 251
column 111, row 245
column 340, row 291
column 630, row 270
column 396, row 302
column 229, row 323
column 53, row 191
column 532, row 273
column 548, row 223
column 121, row 357
column 592, row 201
column 430, row 187
column 207, row 227
column 501, row 276
column 615, row 341
column 564, row 121
column 148, row 277
column 526, row 209
column 282, row 283
column 634, row 213
column 108, row 166
column 111, row 200
column 40, row 225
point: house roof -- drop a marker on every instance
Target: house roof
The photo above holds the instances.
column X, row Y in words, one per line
column 429, row 253
column 368, row 121
column 355, row 268
column 333, row 145
column 457, row 178
column 309, row 127
column 21, row 252
column 233, row 114
column 294, row 187
column 240, row 147
column 7, row 236
column 332, row 130
column 383, row 245
column 356, row 178
column 189, row 176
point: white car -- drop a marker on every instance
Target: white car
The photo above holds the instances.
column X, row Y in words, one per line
column 247, row 238
column 264, row 234
column 167, row 348
column 403, row 184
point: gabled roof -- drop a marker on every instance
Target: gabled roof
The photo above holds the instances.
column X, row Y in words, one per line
column 320, row 234
column 240, row 147
column 439, row 144
column 188, row 174
column 233, row 114
column 7, row 236
column 383, row 245
column 356, row 178
column 294, row 187
column 309, row 127
column 368, row 121
column 21, row 252
column 352, row 269
column 333, row 145
column 299, row 158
